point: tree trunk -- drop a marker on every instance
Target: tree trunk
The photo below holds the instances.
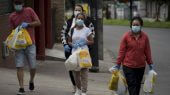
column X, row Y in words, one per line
column 146, row 8
column 115, row 12
column 107, row 12
column 150, row 12
column 158, row 6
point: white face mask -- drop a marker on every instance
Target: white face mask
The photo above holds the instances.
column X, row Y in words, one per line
column 79, row 22
column 136, row 29
column 76, row 13
column 18, row 7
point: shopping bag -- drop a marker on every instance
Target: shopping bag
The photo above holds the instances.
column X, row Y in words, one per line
column 118, row 84
column 72, row 62
column 113, row 83
column 84, row 58
column 149, row 81
column 18, row 39
column 122, row 85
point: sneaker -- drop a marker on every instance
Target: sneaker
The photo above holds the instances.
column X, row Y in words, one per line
column 74, row 89
column 31, row 86
column 83, row 94
column 78, row 92
column 21, row 91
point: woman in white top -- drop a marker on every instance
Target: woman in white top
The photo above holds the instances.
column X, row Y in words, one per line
column 80, row 37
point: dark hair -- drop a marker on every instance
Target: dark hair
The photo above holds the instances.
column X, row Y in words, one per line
column 19, row 1
column 136, row 18
column 81, row 14
column 79, row 6
column 75, row 7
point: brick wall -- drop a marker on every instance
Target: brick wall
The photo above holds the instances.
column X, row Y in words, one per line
column 58, row 7
column 4, row 32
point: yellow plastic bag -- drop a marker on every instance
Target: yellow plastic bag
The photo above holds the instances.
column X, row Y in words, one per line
column 18, row 39
column 150, row 82
column 118, row 84
column 113, row 83
column 84, row 59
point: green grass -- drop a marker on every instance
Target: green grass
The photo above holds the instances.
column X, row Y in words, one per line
column 146, row 23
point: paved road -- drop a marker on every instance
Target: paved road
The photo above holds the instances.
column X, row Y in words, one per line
column 159, row 39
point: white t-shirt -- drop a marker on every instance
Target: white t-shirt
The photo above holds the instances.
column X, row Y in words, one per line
column 80, row 34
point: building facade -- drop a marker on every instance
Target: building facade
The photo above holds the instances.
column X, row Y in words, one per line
column 44, row 34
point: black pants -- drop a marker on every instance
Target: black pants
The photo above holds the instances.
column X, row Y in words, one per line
column 133, row 77
column 67, row 54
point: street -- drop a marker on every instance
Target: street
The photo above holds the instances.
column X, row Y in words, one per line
column 159, row 39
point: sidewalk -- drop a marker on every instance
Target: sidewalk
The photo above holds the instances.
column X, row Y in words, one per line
column 52, row 78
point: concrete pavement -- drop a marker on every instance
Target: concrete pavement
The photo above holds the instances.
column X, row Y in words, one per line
column 52, row 79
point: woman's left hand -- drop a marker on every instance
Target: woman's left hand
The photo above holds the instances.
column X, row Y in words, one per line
column 150, row 66
column 75, row 45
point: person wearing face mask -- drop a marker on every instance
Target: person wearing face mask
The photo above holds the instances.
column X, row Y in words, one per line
column 69, row 24
column 134, row 54
column 28, row 19
column 80, row 37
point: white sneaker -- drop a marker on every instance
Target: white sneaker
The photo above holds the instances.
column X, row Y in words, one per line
column 78, row 92
column 83, row 94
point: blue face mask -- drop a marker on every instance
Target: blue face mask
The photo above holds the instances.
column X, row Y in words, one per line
column 136, row 29
column 79, row 22
column 18, row 7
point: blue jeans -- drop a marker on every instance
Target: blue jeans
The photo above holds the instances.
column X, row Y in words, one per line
column 29, row 54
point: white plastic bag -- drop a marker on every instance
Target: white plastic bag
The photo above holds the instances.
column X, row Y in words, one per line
column 149, row 82
column 122, row 85
column 12, row 38
column 72, row 62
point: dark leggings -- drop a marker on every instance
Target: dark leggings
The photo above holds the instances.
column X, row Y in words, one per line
column 67, row 54
column 133, row 77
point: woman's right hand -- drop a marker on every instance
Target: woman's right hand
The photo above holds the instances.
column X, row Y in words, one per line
column 114, row 68
column 67, row 48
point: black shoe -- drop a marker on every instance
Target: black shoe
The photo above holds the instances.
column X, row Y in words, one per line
column 21, row 91
column 31, row 86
